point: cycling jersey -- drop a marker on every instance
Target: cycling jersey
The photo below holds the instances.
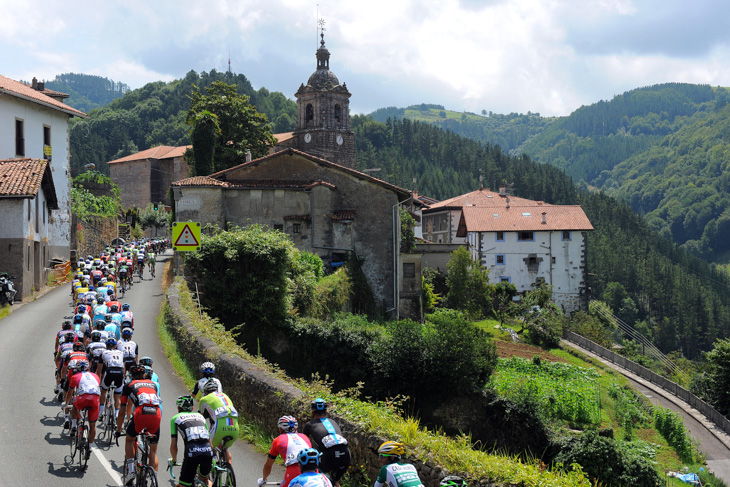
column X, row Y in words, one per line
column 94, row 351
column 130, row 350
column 219, row 409
column 327, row 438
column 288, row 446
column 311, row 479
column 198, row 388
column 197, row 454
column 398, row 475
column 87, row 393
column 127, row 317
column 146, row 400
column 112, row 329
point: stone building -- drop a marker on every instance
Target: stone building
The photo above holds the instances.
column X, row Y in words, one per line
column 325, row 208
column 323, row 116
column 27, row 199
column 34, row 124
column 518, row 240
column 146, row 176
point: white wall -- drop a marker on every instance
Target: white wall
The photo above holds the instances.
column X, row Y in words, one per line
column 14, row 210
column 35, row 117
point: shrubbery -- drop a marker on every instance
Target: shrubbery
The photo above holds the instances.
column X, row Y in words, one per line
column 671, row 427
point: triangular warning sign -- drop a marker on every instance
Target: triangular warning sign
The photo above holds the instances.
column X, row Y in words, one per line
column 186, row 238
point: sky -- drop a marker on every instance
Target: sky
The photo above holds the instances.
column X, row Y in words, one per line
column 541, row 56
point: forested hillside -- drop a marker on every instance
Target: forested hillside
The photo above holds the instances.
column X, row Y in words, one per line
column 87, row 91
column 680, row 301
column 155, row 115
column 506, row 131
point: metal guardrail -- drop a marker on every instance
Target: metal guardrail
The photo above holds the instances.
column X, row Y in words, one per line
column 710, row 413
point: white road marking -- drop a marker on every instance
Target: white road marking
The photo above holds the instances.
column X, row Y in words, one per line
column 107, row 466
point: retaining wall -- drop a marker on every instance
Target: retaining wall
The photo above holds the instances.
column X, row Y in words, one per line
column 263, row 398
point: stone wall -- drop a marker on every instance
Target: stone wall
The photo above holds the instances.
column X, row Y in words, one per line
column 91, row 236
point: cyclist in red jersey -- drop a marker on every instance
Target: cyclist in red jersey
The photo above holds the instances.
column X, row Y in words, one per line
column 84, row 386
column 288, row 444
column 140, row 399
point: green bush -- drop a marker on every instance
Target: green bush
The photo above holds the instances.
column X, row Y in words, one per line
column 243, row 275
column 669, row 424
column 605, row 461
column 331, row 294
column 305, row 272
column 468, row 282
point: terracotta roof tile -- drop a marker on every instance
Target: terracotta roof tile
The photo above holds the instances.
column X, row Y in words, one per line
column 23, row 91
column 21, row 178
column 484, row 198
column 159, row 152
column 343, row 215
column 283, row 137
column 200, row 181
column 525, row 218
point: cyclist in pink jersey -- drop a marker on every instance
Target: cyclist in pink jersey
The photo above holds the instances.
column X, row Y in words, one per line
column 287, row 445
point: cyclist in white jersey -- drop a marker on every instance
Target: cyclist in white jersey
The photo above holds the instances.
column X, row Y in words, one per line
column 111, row 371
column 129, row 348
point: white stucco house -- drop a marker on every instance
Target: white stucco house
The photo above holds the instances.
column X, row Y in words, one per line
column 34, row 123
column 518, row 240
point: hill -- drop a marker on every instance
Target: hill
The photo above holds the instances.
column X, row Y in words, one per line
column 155, row 115
column 86, row 91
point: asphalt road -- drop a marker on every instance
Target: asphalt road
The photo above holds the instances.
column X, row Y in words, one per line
column 33, row 450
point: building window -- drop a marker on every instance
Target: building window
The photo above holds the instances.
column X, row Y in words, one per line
column 525, row 236
column 338, row 113
column 505, row 279
column 45, row 210
column 28, row 210
column 566, row 235
column 279, row 227
column 409, row 270
column 46, row 141
column 499, row 237
column 28, row 258
column 553, row 260
column 296, row 228
column 499, row 259
column 37, row 215
column 19, row 138
column 309, row 113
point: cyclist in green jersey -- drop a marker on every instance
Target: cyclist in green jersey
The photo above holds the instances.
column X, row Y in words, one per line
column 219, row 410
column 151, row 261
column 394, row 472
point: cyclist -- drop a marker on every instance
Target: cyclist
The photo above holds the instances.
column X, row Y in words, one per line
column 140, row 263
column 111, row 371
column 66, row 330
column 218, row 408
column 198, row 455
column 129, row 348
column 124, row 275
column 95, row 348
column 127, row 315
column 111, row 328
column 394, row 472
column 141, row 400
column 308, row 460
column 64, row 349
column 151, row 262
column 208, row 371
column 326, row 437
column 288, row 444
column 84, row 386
column 76, row 355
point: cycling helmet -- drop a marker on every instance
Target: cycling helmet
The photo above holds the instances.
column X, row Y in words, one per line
column 81, row 366
column 207, row 368
column 66, row 325
column 78, row 319
column 147, row 371
column 125, row 307
column 70, row 338
column 114, row 308
column 78, row 347
column 100, row 324
column 96, row 336
column 453, row 481
column 109, row 291
column 319, row 404
column 100, row 300
column 210, row 387
column 111, row 342
column 145, row 361
column 185, row 403
column 137, row 371
column 288, row 424
column 391, row 449
column 308, row 456
column 108, row 318
column 126, row 332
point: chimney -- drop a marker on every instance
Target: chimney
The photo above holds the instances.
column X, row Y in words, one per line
column 34, row 83
column 544, row 220
column 507, row 201
column 502, row 190
column 248, row 155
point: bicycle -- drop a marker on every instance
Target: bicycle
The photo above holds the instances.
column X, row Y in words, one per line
column 140, row 272
column 144, row 474
column 79, row 442
column 152, row 269
column 222, row 473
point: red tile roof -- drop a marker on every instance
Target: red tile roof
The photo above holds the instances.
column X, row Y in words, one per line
column 484, row 198
column 25, row 92
column 23, row 178
column 283, row 137
column 525, row 218
column 200, row 181
column 159, row 152
column 343, row 215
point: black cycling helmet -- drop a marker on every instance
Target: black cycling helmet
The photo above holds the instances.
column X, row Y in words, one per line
column 111, row 342
column 100, row 325
column 319, row 404
column 78, row 347
column 70, row 338
column 137, row 371
column 185, row 403
column 127, row 332
column 114, row 308
column 96, row 336
column 108, row 318
column 145, row 361
column 125, row 307
column 66, row 325
column 210, row 387
column 453, row 481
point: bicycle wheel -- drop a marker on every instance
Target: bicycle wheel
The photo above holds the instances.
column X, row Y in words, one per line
column 147, row 477
column 73, row 444
column 84, row 447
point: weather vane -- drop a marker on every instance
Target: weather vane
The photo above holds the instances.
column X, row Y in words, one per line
column 321, row 28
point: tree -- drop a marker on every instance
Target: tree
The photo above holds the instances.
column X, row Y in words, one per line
column 149, row 218
column 203, row 135
column 241, row 126
column 718, row 376
column 468, row 282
